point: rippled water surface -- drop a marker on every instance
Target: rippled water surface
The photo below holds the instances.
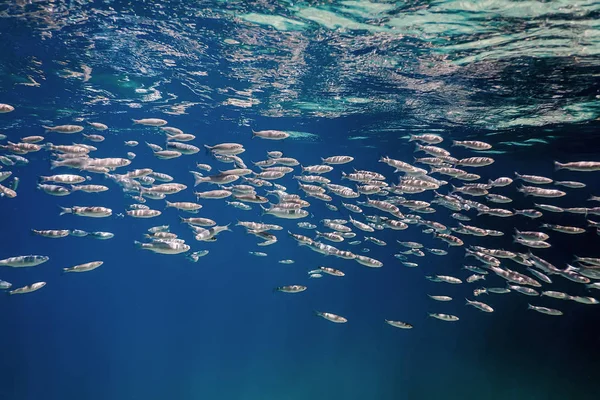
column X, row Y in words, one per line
column 350, row 78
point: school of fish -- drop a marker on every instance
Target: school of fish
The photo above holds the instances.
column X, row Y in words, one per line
column 401, row 206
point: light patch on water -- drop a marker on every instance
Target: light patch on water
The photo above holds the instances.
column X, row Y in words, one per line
column 490, row 152
column 332, row 20
column 310, row 106
column 358, row 138
column 295, row 135
column 275, row 21
column 535, row 140
column 243, row 103
column 566, row 115
column 518, row 144
column 358, row 100
column 366, row 9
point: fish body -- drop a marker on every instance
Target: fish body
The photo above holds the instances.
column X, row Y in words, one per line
column 544, row 310
column 291, row 289
column 24, row 261
column 84, row 267
column 444, row 317
column 331, row 317
column 29, row 288
column 398, row 324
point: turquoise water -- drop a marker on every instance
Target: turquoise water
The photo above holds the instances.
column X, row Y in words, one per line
column 342, row 78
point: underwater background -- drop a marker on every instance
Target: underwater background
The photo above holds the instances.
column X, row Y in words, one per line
column 345, row 78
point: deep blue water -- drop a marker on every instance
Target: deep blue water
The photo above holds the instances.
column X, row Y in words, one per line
column 149, row 326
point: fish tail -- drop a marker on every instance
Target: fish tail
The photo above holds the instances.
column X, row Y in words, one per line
column 48, row 128
column 454, row 143
column 529, row 306
column 65, row 210
column 54, row 164
column 135, row 121
column 557, row 165
column 253, row 134
column 198, row 179
column 317, row 313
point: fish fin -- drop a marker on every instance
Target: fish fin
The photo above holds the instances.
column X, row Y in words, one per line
column 529, row 306
column 557, row 165
column 48, row 128
column 65, row 210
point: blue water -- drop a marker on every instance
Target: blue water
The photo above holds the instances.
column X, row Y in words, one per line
column 149, row 326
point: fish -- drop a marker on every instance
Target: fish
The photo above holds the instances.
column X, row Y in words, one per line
column 97, row 125
column 68, row 129
column 150, row 121
column 427, row 138
column 337, row 160
column 440, row 298
column 539, row 192
column 24, row 261
column 290, row 289
column 258, row 253
column 164, row 247
column 478, row 304
column 6, row 108
column 53, row 234
column 270, row 135
column 573, row 230
column 538, row 180
column 398, row 324
column 28, row 289
column 581, row 166
column 5, row 285
column 544, row 310
column 84, row 267
column 93, row 212
column 331, row 317
column 444, row 317
column 143, row 213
